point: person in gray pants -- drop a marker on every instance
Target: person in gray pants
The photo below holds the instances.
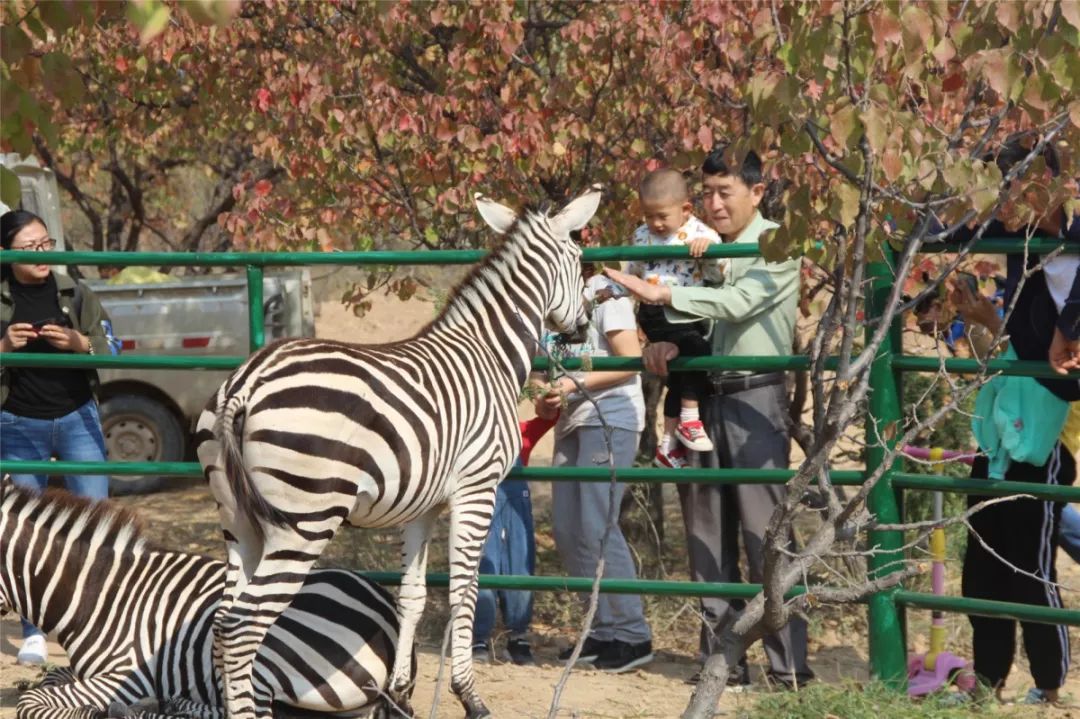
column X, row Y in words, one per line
column 753, row 314
column 619, row 639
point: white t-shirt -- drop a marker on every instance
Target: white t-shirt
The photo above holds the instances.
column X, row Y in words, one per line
column 678, row 273
column 623, row 405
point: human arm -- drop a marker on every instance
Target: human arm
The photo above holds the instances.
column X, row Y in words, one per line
column 95, row 324
column 761, row 286
column 982, row 318
column 644, row 291
column 624, row 343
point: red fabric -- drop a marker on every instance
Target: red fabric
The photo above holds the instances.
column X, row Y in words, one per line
column 531, row 432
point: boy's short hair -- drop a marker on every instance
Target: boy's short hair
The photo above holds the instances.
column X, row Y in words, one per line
column 664, row 185
column 749, row 172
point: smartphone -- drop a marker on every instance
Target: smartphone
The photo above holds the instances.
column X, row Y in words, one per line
column 60, row 321
column 971, row 280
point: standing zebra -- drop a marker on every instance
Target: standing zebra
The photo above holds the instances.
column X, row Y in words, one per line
column 308, row 434
column 137, row 621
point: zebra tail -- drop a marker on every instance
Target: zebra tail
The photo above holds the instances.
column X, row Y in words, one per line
column 249, row 501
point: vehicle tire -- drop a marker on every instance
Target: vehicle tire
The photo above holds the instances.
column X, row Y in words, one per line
column 139, row 429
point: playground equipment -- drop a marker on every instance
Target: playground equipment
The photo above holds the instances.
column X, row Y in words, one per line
column 937, row 669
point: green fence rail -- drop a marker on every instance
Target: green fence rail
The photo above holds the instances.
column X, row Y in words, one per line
column 887, row 650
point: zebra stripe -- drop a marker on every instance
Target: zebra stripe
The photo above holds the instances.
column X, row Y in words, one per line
column 137, row 621
column 309, row 434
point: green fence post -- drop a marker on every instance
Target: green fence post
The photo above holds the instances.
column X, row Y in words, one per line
column 256, row 321
column 888, row 657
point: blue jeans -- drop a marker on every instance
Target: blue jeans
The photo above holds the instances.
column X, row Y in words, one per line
column 74, row 437
column 510, row 549
column 1069, row 531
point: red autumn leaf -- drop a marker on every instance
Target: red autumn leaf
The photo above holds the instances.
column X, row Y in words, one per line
column 121, row 64
column 263, row 187
column 953, row 82
column 813, row 90
column 262, row 99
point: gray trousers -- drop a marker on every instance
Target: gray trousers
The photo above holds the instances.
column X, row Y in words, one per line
column 748, row 430
column 579, row 513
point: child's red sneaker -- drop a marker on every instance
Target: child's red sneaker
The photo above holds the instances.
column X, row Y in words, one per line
column 692, row 435
column 675, row 459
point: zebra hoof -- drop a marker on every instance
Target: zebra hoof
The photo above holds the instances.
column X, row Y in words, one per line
column 475, row 709
column 116, row 710
column 395, row 704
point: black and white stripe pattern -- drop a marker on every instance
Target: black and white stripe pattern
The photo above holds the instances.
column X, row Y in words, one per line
column 308, row 434
column 137, row 621
column 1047, row 574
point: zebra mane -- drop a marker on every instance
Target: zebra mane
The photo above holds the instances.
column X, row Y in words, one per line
column 88, row 517
column 497, row 249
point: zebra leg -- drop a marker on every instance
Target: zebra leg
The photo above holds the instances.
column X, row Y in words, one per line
column 470, row 519
column 411, row 599
column 58, row 677
column 264, row 590
column 77, row 699
column 193, row 710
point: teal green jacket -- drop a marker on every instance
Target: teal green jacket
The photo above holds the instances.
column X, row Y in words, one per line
column 1017, row 420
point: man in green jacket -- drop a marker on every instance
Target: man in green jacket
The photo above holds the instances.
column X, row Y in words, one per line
column 753, row 314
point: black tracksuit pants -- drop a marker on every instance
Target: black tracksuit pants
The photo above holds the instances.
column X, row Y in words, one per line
column 1023, row 532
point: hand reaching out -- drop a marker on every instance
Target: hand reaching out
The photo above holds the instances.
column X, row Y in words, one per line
column 644, row 291
column 975, row 307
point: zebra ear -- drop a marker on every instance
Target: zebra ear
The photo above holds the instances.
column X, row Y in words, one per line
column 580, row 210
column 499, row 217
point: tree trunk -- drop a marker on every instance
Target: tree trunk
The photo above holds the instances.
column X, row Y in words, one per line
column 714, row 676
column 653, row 389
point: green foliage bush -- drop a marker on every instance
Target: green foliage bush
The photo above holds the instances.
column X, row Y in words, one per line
column 874, row 700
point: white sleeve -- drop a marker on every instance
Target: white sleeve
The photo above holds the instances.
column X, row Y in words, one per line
column 1060, row 274
column 616, row 314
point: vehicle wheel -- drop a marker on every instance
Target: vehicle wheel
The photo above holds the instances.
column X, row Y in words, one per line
column 138, row 429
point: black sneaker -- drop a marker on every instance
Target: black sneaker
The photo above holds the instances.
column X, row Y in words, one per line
column 590, row 651
column 481, row 652
column 519, row 652
column 789, row 682
column 738, row 679
column 621, row 657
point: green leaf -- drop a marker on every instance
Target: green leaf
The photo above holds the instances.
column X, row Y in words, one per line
column 35, row 26
column 877, row 128
column 61, row 78
column 845, row 205
column 57, row 15
column 14, row 44
column 1070, row 10
column 149, row 16
column 10, row 191
column 844, row 124
column 1002, row 71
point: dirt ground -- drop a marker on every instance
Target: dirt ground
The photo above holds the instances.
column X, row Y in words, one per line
column 184, row 518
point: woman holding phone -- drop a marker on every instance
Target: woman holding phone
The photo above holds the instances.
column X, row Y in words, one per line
column 48, row 412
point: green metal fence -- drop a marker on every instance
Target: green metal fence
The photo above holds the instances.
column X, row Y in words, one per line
column 887, row 650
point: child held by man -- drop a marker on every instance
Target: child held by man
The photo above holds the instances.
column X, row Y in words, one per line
column 670, row 221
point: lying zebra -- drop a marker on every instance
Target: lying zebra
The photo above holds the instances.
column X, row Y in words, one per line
column 137, row 621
